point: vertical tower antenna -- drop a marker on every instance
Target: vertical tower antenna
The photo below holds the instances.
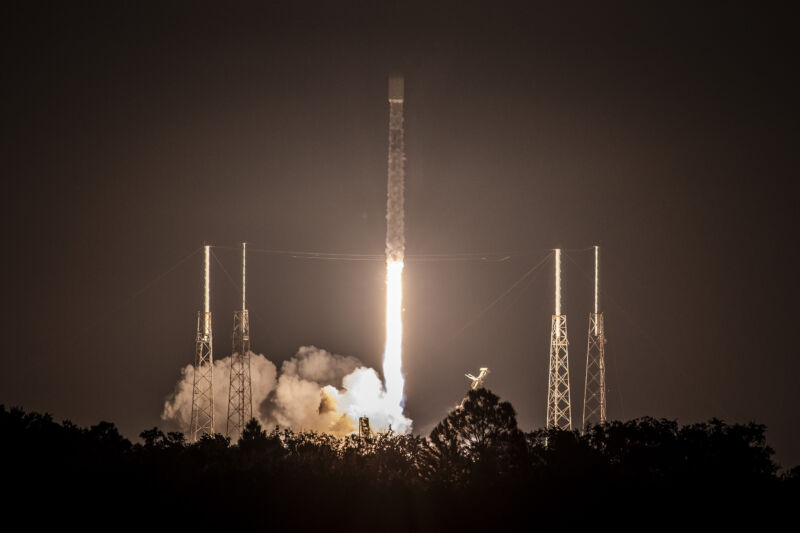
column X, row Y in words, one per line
column 594, row 392
column 559, row 412
column 596, row 279
column 240, row 397
column 558, row 281
column 202, row 422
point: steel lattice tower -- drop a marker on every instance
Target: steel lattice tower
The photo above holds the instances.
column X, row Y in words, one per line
column 203, row 386
column 594, row 392
column 559, row 412
column 240, row 398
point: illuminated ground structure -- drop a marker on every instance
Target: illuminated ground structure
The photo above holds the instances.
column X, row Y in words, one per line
column 240, row 398
column 477, row 381
column 202, row 422
column 594, row 392
column 559, row 412
column 363, row 427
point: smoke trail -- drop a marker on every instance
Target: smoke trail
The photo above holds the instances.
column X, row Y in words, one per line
column 314, row 390
column 395, row 197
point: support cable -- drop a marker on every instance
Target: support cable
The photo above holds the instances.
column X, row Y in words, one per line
column 503, row 295
column 107, row 315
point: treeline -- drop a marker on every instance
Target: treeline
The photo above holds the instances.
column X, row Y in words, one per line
column 477, row 470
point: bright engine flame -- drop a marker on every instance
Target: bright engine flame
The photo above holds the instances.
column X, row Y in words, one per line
column 393, row 354
column 363, row 393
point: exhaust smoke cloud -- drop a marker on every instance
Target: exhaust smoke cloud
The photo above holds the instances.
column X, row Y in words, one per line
column 314, row 390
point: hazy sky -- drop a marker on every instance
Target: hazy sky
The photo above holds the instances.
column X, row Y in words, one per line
column 133, row 132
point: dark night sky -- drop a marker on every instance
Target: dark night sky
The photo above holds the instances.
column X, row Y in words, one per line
column 133, row 132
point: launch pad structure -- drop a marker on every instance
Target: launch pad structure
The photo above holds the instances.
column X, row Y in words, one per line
column 202, row 420
column 364, row 430
column 240, row 396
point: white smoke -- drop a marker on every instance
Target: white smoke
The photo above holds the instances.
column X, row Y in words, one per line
column 316, row 390
column 363, row 394
column 301, row 400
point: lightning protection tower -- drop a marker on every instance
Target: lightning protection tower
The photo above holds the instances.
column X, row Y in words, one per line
column 203, row 385
column 559, row 413
column 240, row 398
column 594, row 393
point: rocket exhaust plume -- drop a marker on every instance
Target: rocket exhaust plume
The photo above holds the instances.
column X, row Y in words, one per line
column 395, row 248
column 313, row 390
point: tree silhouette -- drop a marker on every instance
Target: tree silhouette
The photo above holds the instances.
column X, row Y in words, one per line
column 480, row 438
column 153, row 438
column 475, row 462
column 252, row 432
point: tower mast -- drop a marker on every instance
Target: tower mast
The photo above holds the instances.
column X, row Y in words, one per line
column 594, row 393
column 559, row 412
column 240, row 398
column 202, row 422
